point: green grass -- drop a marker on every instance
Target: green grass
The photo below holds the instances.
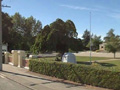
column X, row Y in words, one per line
column 85, row 58
column 48, row 58
column 111, row 65
column 79, row 58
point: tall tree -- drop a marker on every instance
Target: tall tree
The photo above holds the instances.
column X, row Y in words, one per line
column 86, row 38
column 56, row 37
column 112, row 42
column 6, row 27
column 95, row 42
column 109, row 35
column 28, row 28
column 76, row 45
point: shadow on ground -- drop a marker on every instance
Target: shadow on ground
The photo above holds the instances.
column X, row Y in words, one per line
column 107, row 64
column 84, row 63
column 48, row 81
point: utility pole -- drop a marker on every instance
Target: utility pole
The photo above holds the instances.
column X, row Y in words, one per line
column 0, row 37
column 90, row 39
column 1, row 33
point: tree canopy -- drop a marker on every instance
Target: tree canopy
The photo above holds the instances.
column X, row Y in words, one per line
column 19, row 32
column 95, row 42
column 86, row 39
column 58, row 36
column 23, row 33
column 112, row 42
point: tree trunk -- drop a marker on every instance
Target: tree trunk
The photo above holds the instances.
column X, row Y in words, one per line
column 62, row 55
column 114, row 55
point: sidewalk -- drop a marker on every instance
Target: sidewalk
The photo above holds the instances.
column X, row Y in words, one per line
column 34, row 81
column 6, row 84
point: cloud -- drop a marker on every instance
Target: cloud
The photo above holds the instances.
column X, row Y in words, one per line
column 79, row 8
column 80, row 35
column 115, row 15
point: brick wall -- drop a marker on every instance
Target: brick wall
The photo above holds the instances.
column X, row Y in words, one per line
column 10, row 59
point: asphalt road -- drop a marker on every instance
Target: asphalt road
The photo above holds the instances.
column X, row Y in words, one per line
column 6, row 84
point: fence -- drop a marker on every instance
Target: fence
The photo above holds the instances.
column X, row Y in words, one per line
column 17, row 58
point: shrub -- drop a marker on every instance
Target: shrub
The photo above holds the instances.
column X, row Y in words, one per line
column 77, row 73
column 98, row 50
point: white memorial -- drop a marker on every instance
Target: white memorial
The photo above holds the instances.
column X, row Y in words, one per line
column 69, row 57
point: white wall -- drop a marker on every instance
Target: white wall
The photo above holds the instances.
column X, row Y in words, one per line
column 4, row 48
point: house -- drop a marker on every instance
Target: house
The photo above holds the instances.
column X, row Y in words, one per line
column 4, row 48
column 102, row 47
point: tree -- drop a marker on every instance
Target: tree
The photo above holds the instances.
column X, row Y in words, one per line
column 28, row 28
column 95, row 42
column 6, row 27
column 109, row 35
column 86, row 38
column 41, row 42
column 19, row 32
column 113, row 42
column 76, row 45
column 56, row 37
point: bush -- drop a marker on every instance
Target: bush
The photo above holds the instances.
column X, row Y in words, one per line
column 77, row 73
column 98, row 50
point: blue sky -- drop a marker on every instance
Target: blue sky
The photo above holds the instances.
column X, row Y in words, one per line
column 105, row 13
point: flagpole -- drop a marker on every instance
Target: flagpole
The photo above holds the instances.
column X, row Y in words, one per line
column 90, row 40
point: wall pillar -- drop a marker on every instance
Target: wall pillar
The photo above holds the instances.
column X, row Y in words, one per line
column 21, row 57
column 15, row 57
column 6, row 57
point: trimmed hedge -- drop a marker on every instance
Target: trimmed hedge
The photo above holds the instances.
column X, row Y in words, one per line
column 77, row 73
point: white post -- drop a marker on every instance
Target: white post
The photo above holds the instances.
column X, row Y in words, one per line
column 0, row 38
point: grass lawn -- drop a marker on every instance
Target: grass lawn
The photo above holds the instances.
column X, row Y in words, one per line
column 112, row 65
column 79, row 58
column 85, row 58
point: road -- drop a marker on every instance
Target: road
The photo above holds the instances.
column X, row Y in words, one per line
column 87, row 53
column 97, row 54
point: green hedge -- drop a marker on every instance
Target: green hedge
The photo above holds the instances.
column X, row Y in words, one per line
column 77, row 73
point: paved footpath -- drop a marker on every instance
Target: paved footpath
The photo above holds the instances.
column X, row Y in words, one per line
column 13, row 77
column 6, row 84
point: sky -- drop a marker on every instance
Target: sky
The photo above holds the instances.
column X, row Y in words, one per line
column 105, row 14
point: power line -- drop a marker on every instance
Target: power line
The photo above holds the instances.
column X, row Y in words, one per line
column 6, row 6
